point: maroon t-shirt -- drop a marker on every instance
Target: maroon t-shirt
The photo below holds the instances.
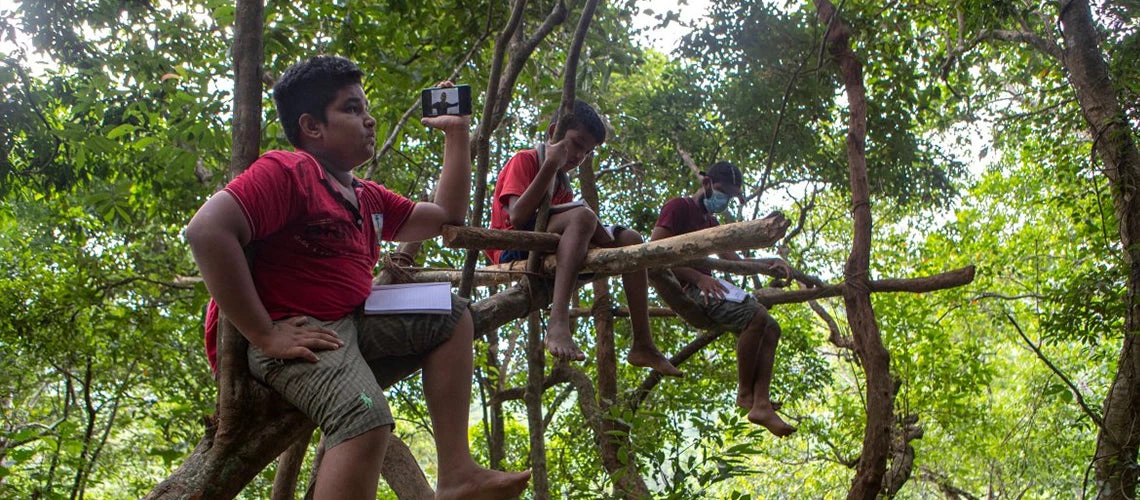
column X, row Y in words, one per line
column 313, row 251
column 685, row 215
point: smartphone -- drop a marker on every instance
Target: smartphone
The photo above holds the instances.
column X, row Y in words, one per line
column 438, row 101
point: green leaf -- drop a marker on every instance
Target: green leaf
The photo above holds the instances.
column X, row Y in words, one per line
column 118, row 131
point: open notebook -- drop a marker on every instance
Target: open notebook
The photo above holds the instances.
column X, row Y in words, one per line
column 409, row 298
column 734, row 293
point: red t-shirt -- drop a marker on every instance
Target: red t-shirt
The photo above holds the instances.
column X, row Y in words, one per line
column 685, row 215
column 515, row 177
column 313, row 251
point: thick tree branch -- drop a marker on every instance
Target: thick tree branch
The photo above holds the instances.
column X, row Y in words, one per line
column 874, row 356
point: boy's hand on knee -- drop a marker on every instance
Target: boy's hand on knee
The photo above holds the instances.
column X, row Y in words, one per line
column 294, row 338
column 711, row 287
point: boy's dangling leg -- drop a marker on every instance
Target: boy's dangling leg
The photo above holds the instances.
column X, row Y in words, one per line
column 576, row 227
column 763, row 412
column 747, row 355
column 644, row 352
column 447, row 385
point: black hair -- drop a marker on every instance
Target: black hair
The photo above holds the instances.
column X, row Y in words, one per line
column 584, row 118
column 308, row 87
column 725, row 173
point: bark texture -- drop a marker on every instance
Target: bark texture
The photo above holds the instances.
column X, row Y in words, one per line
column 288, row 468
column 875, row 359
column 757, row 233
column 1119, row 438
column 403, row 473
column 611, row 434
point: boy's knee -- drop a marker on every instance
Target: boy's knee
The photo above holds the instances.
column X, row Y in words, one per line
column 465, row 327
column 367, row 447
column 583, row 215
column 580, row 221
column 628, row 236
column 763, row 322
column 772, row 329
column 372, row 438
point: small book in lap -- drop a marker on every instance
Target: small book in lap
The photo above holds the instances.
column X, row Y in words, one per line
column 409, row 298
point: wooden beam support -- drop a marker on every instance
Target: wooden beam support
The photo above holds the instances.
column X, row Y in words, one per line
column 668, row 252
column 749, row 268
column 499, row 274
column 758, row 233
column 480, row 239
column 623, row 312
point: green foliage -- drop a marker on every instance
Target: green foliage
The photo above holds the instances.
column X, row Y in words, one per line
column 115, row 127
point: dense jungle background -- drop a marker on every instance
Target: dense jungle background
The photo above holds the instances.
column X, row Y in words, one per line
column 986, row 145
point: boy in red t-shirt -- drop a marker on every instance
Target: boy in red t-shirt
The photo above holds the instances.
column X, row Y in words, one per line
column 314, row 230
column 519, row 190
column 758, row 333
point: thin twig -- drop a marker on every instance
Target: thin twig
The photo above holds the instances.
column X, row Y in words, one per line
column 390, row 141
column 1072, row 387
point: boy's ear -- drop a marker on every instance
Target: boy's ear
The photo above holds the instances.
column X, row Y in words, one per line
column 310, row 128
column 550, row 131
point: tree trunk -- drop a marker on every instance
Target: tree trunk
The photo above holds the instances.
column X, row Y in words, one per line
column 536, row 364
column 875, row 359
column 612, row 433
column 289, row 468
column 403, row 474
column 1118, row 440
column 218, row 470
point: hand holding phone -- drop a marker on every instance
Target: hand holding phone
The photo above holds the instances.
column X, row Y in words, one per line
column 440, row 101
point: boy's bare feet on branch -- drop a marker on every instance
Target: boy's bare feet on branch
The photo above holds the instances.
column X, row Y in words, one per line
column 763, row 414
column 650, row 357
column 480, row 483
column 561, row 344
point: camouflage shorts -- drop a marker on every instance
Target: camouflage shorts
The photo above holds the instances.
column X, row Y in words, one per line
column 732, row 315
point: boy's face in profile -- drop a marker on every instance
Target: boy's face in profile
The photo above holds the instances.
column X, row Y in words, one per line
column 348, row 136
column 578, row 143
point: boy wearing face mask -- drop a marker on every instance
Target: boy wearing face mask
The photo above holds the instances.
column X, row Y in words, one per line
column 758, row 334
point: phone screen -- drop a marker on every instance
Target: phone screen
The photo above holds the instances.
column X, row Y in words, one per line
column 438, row 101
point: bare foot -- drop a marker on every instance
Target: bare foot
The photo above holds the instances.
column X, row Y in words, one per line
column 561, row 344
column 763, row 414
column 650, row 357
column 482, row 484
column 743, row 399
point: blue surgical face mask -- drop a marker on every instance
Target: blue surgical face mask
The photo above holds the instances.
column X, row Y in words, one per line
column 716, row 202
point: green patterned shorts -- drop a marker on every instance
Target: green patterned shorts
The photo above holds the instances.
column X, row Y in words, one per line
column 732, row 315
column 343, row 392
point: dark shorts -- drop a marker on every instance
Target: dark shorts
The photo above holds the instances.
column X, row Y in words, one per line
column 342, row 391
column 732, row 315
